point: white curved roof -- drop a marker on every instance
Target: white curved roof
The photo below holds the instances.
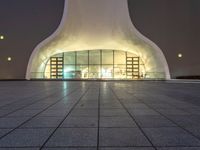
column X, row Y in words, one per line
column 97, row 24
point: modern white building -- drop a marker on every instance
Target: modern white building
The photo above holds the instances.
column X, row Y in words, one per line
column 97, row 40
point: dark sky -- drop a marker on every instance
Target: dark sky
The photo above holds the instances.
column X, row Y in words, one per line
column 174, row 25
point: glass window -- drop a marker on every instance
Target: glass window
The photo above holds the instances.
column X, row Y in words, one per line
column 94, row 71
column 69, row 58
column 82, row 71
column 76, row 65
column 82, row 57
column 120, row 71
column 107, row 57
column 69, row 71
column 120, row 57
column 94, row 57
column 107, row 71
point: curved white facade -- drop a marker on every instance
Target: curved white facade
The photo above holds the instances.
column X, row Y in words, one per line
column 98, row 24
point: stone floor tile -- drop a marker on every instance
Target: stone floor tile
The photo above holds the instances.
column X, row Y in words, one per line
column 174, row 111
column 128, row 148
column 171, row 136
column 4, row 112
column 84, row 112
column 73, row 137
column 136, row 106
column 179, row 148
column 117, row 122
column 24, row 113
column 151, row 121
column 179, row 102
column 25, row 138
column 113, row 113
column 4, row 131
column 195, row 130
column 12, row 122
column 122, row 137
column 54, row 113
column 69, row 148
column 19, row 148
column 138, row 111
column 80, row 122
column 186, row 120
column 43, row 122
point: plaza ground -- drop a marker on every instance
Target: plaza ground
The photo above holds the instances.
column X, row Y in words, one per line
column 91, row 115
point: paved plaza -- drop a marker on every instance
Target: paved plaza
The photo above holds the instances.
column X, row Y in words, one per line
column 93, row 115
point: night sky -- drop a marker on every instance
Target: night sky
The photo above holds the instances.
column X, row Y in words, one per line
column 174, row 25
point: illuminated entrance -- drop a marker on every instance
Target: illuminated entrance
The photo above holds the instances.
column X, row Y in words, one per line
column 95, row 64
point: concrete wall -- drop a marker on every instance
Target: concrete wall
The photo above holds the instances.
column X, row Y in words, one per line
column 172, row 25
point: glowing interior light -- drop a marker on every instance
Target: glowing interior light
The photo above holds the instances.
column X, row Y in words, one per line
column 9, row 58
column 84, row 73
column 68, row 69
column 106, row 73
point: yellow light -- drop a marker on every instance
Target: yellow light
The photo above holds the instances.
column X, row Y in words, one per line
column 180, row 55
column 9, row 58
column 1, row 37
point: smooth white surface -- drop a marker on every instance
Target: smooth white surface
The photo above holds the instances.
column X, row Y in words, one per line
column 98, row 24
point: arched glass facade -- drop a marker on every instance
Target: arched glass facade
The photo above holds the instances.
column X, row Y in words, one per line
column 95, row 64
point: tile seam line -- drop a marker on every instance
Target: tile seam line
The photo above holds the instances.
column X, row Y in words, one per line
column 167, row 117
column 37, row 114
column 133, row 118
column 25, row 98
column 187, row 131
column 40, row 99
column 43, row 145
column 98, row 132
